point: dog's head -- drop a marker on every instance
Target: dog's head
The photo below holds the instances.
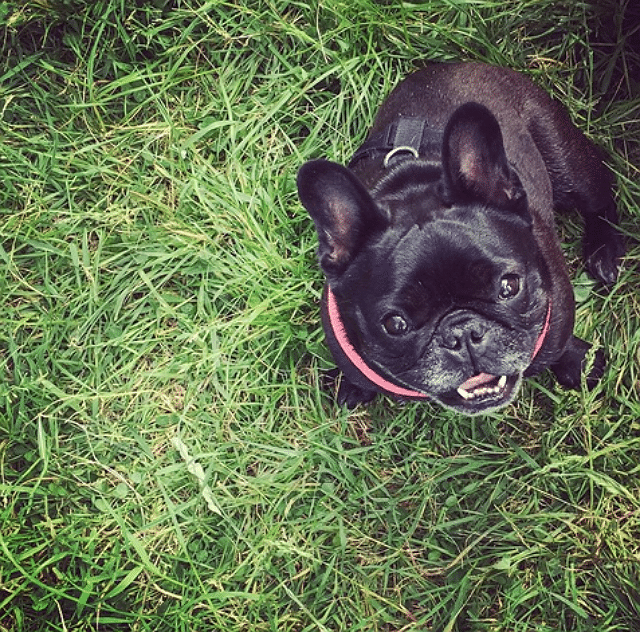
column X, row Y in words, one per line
column 435, row 275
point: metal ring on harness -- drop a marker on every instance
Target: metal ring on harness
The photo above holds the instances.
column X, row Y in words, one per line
column 397, row 150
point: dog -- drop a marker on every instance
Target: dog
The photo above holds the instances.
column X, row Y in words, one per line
column 444, row 274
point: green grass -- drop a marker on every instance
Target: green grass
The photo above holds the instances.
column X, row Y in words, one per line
column 168, row 457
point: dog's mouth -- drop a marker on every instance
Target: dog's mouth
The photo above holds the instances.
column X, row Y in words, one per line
column 483, row 385
column 485, row 391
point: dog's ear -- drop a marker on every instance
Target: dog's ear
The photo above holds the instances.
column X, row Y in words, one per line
column 475, row 162
column 342, row 210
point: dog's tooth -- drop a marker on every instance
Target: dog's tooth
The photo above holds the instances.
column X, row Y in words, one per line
column 483, row 390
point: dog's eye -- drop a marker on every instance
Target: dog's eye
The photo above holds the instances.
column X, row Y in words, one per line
column 509, row 286
column 395, row 325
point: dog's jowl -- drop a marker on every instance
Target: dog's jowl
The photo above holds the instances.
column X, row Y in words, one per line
column 444, row 275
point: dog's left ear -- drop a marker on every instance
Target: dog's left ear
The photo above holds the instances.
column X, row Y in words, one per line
column 475, row 162
column 344, row 214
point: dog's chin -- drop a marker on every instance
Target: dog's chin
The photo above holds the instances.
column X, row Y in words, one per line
column 482, row 393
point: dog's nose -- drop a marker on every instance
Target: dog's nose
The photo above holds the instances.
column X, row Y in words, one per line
column 464, row 332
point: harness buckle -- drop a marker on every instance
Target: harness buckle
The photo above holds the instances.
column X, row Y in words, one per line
column 397, row 150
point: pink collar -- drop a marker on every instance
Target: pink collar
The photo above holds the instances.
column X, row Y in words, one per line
column 358, row 362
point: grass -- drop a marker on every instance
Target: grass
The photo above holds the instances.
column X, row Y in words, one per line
column 168, row 457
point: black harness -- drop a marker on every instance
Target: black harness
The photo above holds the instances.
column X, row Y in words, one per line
column 404, row 138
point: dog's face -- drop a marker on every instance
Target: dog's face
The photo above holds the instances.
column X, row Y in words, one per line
column 440, row 285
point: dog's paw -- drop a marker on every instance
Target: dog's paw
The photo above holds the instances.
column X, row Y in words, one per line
column 349, row 394
column 574, row 362
column 352, row 396
column 597, row 369
column 602, row 254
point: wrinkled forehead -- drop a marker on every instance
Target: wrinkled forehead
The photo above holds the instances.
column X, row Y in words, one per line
column 447, row 240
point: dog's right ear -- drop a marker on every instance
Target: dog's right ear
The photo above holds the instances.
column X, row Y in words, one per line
column 344, row 214
column 475, row 162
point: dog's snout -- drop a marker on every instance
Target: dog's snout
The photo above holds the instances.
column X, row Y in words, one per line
column 463, row 332
column 476, row 336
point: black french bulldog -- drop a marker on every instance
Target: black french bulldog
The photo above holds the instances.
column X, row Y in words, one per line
column 445, row 277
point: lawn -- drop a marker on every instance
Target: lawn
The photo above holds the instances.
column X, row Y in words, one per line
column 169, row 457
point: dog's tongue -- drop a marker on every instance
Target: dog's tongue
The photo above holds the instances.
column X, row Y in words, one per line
column 477, row 380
